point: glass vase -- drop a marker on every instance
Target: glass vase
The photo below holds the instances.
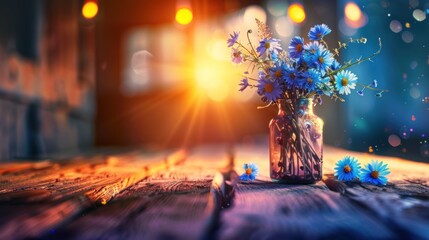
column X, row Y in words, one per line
column 296, row 141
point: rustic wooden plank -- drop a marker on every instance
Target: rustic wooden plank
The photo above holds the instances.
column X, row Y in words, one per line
column 13, row 167
column 402, row 203
column 42, row 213
column 263, row 209
column 179, row 203
column 24, row 221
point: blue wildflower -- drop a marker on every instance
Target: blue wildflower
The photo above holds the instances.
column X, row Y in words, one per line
column 323, row 59
column 318, row 32
column 310, row 51
column 375, row 172
column 232, row 39
column 345, row 80
column 277, row 72
column 296, row 47
column 271, row 90
column 311, row 79
column 244, row 84
column 374, row 83
column 360, row 92
column 293, row 78
column 312, row 47
column 269, row 45
column 347, row 169
column 250, row 172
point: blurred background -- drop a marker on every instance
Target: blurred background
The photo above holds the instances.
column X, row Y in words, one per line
column 80, row 74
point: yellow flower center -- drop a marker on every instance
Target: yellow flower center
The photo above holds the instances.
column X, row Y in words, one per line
column 374, row 174
column 309, row 80
column 267, row 45
column 248, row 171
column 347, row 169
column 319, row 35
column 278, row 74
column 344, row 82
column 268, row 88
column 321, row 60
column 298, row 47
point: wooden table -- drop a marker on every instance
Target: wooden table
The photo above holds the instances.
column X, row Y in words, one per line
column 196, row 194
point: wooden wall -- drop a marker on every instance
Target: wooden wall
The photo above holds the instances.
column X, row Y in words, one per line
column 46, row 78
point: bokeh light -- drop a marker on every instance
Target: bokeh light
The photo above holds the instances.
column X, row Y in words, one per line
column 353, row 16
column 140, row 62
column 352, row 12
column 284, row 27
column 404, row 132
column 395, row 26
column 415, row 93
column 407, row 37
column 184, row 16
column 296, row 13
column 89, row 10
column 277, row 7
column 253, row 12
column 419, row 15
column 394, row 140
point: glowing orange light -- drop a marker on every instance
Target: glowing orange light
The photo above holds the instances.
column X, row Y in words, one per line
column 352, row 12
column 296, row 13
column 89, row 10
column 211, row 83
column 184, row 16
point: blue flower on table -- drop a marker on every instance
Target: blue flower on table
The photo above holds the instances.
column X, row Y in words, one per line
column 232, row 39
column 296, row 47
column 318, row 32
column 251, row 170
column 347, row 169
column 375, row 172
column 345, row 80
column 269, row 45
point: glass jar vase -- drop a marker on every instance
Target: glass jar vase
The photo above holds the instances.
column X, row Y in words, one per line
column 296, row 141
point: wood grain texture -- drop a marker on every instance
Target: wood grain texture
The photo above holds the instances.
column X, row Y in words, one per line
column 40, row 200
column 198, row 195
column 263, row 209
column 174, row 204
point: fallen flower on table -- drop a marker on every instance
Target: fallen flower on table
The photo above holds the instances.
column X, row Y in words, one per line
column 375, row 172
column 347, row 169
column 251, row 170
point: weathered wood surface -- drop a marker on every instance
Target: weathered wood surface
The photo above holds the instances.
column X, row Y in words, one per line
column 138, row 195
column 35, row 200
column 173, row 204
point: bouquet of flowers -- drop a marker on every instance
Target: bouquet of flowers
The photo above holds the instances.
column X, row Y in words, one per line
column 295, row 79
column 304, row 70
